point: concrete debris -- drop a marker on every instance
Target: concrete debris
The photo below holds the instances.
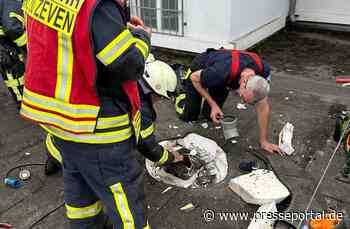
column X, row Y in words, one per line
column 188, row 207
column 241, row 106
column 259, row 187
column 285, row 138
column 291, row 92
column 167, row 189
column 286, row 98
column 207, row 160
column 218, row 127
column 234, row 141
column 205, row 125
column 281, row 115
column 173, row 126
column 264, row 222
column 27, row 154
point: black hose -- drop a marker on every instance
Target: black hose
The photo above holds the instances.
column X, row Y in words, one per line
column 46, row 215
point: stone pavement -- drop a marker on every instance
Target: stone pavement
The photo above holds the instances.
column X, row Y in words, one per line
column 304, row 64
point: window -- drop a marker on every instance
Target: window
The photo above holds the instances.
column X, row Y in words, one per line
column 164, row 16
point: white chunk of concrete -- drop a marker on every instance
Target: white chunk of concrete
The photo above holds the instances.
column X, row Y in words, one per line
column 285, row 138
column 261, row 219
column 259, row 187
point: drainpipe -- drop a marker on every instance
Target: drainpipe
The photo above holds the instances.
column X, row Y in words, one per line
column 291, row 13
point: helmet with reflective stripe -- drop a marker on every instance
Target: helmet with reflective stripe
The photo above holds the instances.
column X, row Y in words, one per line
column 160, row 77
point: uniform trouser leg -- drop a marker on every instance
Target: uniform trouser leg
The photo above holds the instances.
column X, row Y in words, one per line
column 103, row 173
column 188, row 103
column 219, row 95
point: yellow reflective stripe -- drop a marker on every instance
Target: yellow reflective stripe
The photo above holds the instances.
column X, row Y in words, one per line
column 14, row 88
column 164, row 157
column 22, row 40
column 95, row 138
column 52, row 104
column 116, row 47
column 14, row 82
column 54, row 119
column 84, row 212
column 136, row 122
column 21, row 80
column 17, row 16
column 2, row 33
column 188, row 73
column 64, row 67
column 178, row 99
column 52, row 148
column 122, row 206
column 21, row 57
column 112, row 122
column 147, row 226
column 148, row 131
column 142, row 46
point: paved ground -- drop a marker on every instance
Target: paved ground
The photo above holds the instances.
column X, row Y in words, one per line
column 304, row 67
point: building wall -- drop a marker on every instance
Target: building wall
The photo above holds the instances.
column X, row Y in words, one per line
column 229, row 23
column 327, row 11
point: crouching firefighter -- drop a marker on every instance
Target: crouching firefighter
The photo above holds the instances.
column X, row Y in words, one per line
column 13, row 40
column 83, row 64
column 158, row 81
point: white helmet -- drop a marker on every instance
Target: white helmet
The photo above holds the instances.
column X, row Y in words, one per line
column 160, row 77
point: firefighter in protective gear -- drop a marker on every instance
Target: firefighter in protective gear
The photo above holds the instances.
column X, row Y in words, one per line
column 213, row 74
column 13, row 40
column 159, row 80
column 84, row 60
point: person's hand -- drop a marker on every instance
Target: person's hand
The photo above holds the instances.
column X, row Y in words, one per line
column 132, row 27
column 136, row 21
column 271, row 148
column 177, row 156
column 216, row 114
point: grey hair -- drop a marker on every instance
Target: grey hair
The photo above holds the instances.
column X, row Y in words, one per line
column 259, row 86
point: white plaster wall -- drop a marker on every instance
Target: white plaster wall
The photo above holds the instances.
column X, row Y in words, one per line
column 327, row 11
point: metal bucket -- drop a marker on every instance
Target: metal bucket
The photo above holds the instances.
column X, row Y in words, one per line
column 229, row 127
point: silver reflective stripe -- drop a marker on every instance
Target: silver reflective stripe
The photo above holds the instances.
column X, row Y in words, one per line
column 64, row 67
column 97, row 138
column 114, row 51
column 81, row 127
column 84, row 212
column 122, row 206
column 60, row 106
column 103, row 123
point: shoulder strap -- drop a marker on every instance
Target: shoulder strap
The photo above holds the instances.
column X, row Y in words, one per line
column 257, row 60
column 234, row 65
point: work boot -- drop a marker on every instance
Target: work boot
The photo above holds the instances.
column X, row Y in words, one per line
column 52, row 166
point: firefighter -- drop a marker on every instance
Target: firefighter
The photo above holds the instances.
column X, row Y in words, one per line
column 159, row 80
column 13, row 40
column 211, row 76
column 84, row 60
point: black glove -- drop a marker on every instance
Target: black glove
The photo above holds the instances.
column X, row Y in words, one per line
column 5, row 56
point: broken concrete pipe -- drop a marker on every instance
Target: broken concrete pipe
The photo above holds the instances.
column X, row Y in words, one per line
column 229, row 126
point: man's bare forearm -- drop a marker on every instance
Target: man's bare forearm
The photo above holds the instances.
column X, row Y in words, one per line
column 263, row 113
column 195, row 78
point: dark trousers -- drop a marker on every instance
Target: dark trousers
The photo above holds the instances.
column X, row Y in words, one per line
column 108, row 174
column 188, row 103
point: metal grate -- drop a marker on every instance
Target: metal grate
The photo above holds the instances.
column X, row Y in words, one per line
column 163, row 16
